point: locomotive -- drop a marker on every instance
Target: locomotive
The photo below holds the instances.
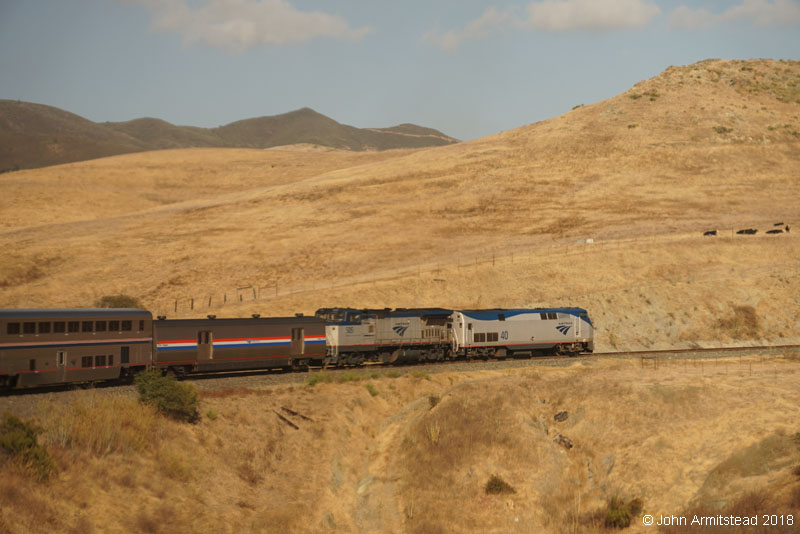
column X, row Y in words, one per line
column 60, row 346
column 434, row 334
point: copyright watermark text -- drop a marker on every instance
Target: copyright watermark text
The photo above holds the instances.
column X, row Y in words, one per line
column 761, row 520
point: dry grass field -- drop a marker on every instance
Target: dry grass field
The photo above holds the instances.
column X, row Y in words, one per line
column 413, row 453
column 603, row 207
column 492, row 222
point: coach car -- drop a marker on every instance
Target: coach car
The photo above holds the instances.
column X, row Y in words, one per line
column 203, row 345
column 53, row 346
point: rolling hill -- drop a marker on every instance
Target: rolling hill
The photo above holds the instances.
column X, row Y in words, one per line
column 603, row 207
column 35, row 135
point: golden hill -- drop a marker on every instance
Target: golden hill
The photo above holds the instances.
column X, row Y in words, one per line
column 491, row 222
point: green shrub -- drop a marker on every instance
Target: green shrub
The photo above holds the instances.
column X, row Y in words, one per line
column 619, row 513
column 172, row 398
column 496, row 485
column 318, row 378
column 394, row 373
column 371, row 389
column 118, row 301
column 19, row 440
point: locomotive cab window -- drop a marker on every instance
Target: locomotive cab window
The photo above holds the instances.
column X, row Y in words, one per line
column 127, row 326
column 86, row 361
column 12, row 329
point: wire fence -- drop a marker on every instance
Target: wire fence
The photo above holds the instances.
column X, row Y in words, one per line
column 442, row 270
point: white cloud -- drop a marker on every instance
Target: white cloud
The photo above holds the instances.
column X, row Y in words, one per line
column 480, row 28
column 694, row 19
column 764, row 13
column 238, row 25
column 597, row 15
column 552, row 15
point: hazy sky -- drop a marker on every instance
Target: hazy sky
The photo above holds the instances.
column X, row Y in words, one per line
column 466, row 67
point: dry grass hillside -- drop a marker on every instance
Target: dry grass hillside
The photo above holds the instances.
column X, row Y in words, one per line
column 393, row 453
column 491, row 222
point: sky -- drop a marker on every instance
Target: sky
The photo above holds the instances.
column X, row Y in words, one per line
column 466, row 67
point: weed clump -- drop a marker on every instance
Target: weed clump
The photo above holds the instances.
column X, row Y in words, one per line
column 619, row 513
column 99, row 425
column 497, row 486
column 118, row 301
column 318, row 378
column 19, row 440
column 172, row 398
column 743, row 325
column 371, row 389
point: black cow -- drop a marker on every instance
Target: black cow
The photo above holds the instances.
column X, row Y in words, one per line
column 778, row 231
column 778, row 224
column 710, row 232
column 747, row 231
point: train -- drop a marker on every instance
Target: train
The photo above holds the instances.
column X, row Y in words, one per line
column 40, row 347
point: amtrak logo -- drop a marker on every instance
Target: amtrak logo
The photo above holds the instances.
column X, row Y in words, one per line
column 401, row 330
column 564, row 328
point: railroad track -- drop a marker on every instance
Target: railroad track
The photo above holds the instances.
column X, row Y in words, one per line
column 24, row 402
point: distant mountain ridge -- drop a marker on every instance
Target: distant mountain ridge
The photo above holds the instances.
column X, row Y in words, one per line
column 37, row 135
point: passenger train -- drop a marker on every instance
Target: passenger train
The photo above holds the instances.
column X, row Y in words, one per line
column 60, row 346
